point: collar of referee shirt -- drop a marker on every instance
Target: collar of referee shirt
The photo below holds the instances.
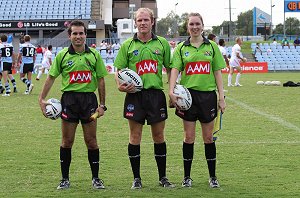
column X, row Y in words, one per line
column 153, row 36
column 188, row 42
column 72, row 51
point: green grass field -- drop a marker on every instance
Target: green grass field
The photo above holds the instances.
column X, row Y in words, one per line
column 258, row 148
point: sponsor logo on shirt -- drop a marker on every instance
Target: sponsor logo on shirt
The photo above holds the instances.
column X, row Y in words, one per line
column 146, row 66
column 135, row 52
column 200, row 67
column 207, row 53
column 80, row 77
column 187, row 53
column 156, row 52
column 70, row 63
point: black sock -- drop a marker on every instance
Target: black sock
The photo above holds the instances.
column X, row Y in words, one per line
column 160, row 152
column 188, row 154
column 135, row 159
column 65, row 161
column 210, row 154
column 94, row 156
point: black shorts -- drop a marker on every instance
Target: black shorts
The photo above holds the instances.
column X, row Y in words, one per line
column 148, row 104
column 204, row 107
column 7, row 67
column 78, row 106
column 27, row 67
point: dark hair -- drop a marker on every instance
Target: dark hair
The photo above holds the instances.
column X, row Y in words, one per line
column 221, row 42
column 3, row 38
column 49, row 47
column 76, row 23
column 211, row 36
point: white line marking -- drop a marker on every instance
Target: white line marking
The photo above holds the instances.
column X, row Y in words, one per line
column 271, row 117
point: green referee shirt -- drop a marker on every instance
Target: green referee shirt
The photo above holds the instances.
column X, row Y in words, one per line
column 145, row 58
column 198, row 64
column 80, row 71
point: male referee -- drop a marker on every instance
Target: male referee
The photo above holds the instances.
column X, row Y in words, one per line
column 82, row 71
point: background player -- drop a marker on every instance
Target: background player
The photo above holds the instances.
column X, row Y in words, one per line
column 235, row 62
column 7, row 62
column 27, row 56
column 46, row 63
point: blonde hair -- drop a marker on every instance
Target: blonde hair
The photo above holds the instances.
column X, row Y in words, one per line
column 147, row 10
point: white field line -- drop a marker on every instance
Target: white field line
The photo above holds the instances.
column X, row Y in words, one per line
column 270, row 117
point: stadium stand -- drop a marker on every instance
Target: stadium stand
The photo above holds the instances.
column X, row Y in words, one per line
column 278, row 58
column 54, row 9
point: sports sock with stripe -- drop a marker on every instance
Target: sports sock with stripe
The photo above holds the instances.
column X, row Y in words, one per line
column 94, row 156
column 135, row 159
column 65, row 161
column 160, row 152
column 210, row 154
column 188, row 154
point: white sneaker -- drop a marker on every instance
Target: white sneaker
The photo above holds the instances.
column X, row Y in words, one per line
column 30, row 88
column 230, row 85
column 26, row 92
column 238, row 85
column 6, row 94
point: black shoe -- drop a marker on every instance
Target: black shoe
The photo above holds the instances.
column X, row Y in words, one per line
column 187, row 182
column 137, row 183
column 97, row 183
column 213, row 182
column 64, row 184
column 15, row 90
column 164, row 182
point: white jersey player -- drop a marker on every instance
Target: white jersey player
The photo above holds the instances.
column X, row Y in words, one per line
column 47, row 61
column 234, row 63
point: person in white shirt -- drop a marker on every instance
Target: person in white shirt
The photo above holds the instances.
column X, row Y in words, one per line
column 223, row 51
column 234, row 63
column 47, row 61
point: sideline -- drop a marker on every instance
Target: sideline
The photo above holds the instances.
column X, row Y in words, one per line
column 270, row 117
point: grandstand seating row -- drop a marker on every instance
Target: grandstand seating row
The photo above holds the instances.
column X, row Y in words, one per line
column 32, row 10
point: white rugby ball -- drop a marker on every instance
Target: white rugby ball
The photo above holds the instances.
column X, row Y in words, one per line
column 53, row 110
column 129, row 76
column 275, row 83
column 185, row 102
column 267, row 83
column 260, row 82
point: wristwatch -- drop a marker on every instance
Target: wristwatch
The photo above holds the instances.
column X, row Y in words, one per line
column 103, row 107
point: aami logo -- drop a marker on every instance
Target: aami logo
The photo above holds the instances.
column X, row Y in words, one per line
column 146, row 66
column 80, row 77
column 201, row 67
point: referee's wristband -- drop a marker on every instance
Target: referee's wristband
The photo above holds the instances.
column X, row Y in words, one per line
column 103, row 107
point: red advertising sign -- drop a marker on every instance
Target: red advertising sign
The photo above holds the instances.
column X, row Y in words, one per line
column 251, row 67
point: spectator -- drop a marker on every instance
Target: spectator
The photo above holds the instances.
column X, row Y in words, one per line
column 257, row 49
column 39, row 49
column 296, row 42
column 223, row 51
column 274, row 41
column 285, row 42
column 10, row 38
column 93, row 45
column 212, row 37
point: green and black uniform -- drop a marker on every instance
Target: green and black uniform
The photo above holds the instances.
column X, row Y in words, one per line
column 147, row 60
column 80, row 73
column 198, row 66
